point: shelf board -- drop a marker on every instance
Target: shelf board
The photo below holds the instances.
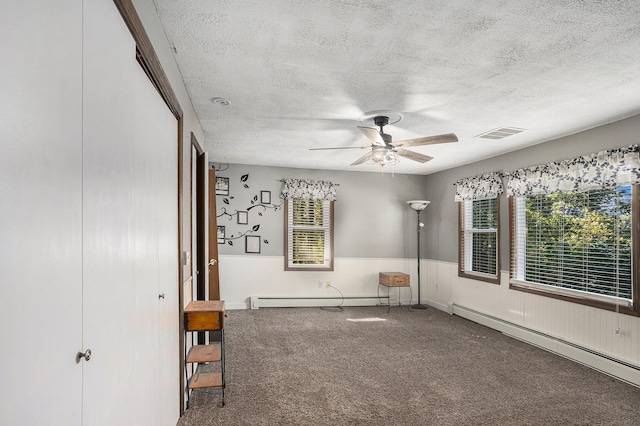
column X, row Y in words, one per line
column 205, row 380
column 204, row 353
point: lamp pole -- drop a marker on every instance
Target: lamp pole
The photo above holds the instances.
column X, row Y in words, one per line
column 418, row 206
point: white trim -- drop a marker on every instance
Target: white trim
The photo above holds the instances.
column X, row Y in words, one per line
column 304, row 302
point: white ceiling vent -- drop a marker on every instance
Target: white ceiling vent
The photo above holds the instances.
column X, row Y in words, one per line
column 500, row 133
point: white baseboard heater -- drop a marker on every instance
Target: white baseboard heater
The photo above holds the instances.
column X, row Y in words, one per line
column 308, row 302
column 619, row 369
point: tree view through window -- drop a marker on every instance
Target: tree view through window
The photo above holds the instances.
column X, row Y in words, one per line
column 579, row 241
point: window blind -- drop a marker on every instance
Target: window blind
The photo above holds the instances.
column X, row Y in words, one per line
column 481, row 236
column 579, row 241
column 309, row 233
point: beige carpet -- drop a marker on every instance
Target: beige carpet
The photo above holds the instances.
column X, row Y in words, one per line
column 309, row 366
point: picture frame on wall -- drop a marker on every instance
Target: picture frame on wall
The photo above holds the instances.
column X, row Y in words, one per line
column 243, row 218
column 265, row 197
column 252, row 244
column 221, row 234
column 222, row 185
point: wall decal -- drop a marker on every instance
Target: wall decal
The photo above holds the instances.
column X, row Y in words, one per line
column 222, row 186
column 220, row 167
column 252, row 244
column 230, row 239
column 238, row 215
column 243, row 218
column 221, row 235
column 244, row 178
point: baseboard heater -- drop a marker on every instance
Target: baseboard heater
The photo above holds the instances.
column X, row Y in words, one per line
column 619, row 369
column 309, row 302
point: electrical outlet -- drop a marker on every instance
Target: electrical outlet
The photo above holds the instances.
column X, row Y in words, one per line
column 320, row 284
column 328, row 284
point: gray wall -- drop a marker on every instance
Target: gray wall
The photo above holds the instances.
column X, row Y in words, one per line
column 372, row 219
column 441, row 222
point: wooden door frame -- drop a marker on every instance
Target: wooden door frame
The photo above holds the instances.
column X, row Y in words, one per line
column 214, row 274
column 146, row 56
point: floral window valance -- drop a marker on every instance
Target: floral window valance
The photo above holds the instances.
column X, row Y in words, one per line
column 315, row 190
column 488, row 185
column 604, row 169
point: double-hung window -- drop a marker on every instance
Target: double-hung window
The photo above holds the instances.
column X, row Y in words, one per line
column 478, row 245
column 578, row 246
column 309, row 235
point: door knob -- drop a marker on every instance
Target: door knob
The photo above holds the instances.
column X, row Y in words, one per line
column 212, row 262
column 86, row 355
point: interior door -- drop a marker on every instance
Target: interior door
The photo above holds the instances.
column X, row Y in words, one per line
column 41, row 214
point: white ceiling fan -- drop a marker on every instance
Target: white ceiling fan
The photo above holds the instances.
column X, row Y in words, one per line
column 383, row 151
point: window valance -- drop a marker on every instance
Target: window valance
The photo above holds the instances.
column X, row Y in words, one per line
column 488, row 185
column 305, row 189
column 604, row 169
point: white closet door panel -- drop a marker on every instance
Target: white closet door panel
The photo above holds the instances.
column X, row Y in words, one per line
column 41, row 213
column 169, row 368
column 127, row 129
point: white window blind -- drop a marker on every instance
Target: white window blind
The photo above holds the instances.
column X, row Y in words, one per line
column 480, row 237
column 576, row 243
column 309, row 234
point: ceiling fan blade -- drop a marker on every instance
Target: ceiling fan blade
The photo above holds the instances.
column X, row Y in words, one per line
column 428, row 140
column 362, row 159
column 372, row 134
column 411, row 155
column 342, row 147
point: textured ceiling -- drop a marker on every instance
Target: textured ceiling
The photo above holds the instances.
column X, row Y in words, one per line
column 300, row 73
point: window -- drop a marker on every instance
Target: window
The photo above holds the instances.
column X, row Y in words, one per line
column 578, row 246
column 309, row 235
column 478, row 245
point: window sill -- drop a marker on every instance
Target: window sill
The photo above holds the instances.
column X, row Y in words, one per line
column 492, row 279
column 576, row 296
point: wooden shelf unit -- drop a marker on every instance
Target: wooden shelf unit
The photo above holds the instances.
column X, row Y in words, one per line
column 205, row 315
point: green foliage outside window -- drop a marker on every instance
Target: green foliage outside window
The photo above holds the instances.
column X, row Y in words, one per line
column 580, row 241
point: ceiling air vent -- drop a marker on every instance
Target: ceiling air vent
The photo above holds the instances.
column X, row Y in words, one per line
column 500, row 133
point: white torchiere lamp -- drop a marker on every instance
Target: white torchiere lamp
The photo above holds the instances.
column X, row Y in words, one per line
column 418, row 206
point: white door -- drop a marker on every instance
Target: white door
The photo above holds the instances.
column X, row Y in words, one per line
column 41, row 213
column 130, row 304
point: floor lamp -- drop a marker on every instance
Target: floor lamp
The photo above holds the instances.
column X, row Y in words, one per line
column 418, row 206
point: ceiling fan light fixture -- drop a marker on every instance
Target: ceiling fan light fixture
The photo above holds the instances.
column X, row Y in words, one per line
column 383, row 157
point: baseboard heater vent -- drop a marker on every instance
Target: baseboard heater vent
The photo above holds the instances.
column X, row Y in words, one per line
column 307, row 302
column 619, row 369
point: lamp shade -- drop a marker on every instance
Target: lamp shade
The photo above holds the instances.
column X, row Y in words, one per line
column 418, row 204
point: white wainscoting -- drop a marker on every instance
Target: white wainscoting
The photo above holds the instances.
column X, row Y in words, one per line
column 583, row 326
column 243, row 277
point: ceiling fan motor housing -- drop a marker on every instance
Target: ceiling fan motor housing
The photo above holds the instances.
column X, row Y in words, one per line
column 381, row 121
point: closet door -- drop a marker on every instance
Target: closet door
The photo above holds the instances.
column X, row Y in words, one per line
column 41, row 213
column 130, row 304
